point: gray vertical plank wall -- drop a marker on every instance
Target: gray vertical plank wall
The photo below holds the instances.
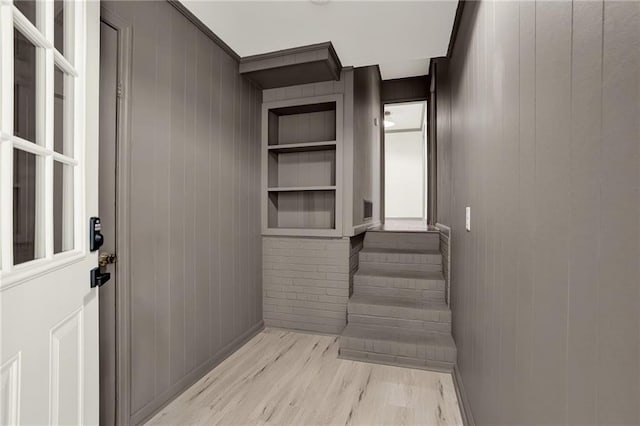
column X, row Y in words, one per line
column 539, row 133
column 196, row 256
column 366, row 142
column 443, row 153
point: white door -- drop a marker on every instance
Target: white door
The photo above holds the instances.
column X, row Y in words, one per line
column 49, row 51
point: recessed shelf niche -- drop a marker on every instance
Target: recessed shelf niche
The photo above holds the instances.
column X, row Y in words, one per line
column 303, row 124
column 306, row 209
column 302, row 157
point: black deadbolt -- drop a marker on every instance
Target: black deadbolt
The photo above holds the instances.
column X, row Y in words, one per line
column 95, row 237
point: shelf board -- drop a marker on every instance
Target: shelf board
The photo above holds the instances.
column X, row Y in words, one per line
column 302, row 147
column 302, row 188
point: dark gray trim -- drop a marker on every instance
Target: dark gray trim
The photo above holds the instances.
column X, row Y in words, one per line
column 463, row 402
column 382, row 159
column 204, row 28
column 456, row 27
column 379, row 75
column 123, row 243
column 334, row 65
column 296, row 51
column 432, row 147
column 288, row 67
column 409, row 89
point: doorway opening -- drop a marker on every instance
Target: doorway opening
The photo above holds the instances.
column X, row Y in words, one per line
column 405, row 165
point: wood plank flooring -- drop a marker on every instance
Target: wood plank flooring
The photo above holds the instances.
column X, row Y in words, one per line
column 284, row 377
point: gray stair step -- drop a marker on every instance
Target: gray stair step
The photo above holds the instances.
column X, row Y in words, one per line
column 398, row 260
column 408, row 324
column 397, row 342
column 410, row 280
column 392, row 255
column 432, row 295
column 407, row 284
column 399, row 308
column 403, row 240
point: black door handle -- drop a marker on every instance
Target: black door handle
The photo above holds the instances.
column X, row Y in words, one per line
column 98, row 278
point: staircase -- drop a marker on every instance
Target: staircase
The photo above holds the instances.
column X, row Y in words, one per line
column 398, row 314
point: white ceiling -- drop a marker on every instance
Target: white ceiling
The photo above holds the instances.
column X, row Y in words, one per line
column 405, row 116
column 400, row 36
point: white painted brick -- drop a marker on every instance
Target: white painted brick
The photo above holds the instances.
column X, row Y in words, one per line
column 306, row 282
column 338, row 307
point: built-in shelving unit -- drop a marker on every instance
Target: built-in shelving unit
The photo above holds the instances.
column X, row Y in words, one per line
column 302, row 166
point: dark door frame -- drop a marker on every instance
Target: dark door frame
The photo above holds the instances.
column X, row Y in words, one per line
column 120, row 316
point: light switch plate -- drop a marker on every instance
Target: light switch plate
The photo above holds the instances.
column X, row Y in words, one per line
column 468, row 218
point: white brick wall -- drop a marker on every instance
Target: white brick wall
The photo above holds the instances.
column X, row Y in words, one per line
column 306, row 283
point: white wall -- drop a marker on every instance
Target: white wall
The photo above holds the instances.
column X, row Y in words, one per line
column 404, row 175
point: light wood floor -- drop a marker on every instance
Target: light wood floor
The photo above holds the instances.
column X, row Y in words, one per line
column 282, row 377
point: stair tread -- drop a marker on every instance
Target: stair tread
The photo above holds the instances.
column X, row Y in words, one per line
column 415, row 275
column 401, row 302
column 399, row 335
column 366, row 249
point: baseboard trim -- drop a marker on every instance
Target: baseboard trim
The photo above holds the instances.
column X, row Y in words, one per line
column 150, row 410
column 463, row 402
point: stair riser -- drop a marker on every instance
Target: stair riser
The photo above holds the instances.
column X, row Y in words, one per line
column 418, row 351
column 399, row 283
column 367, row 320
column 445, row 367
column 403, row 240
column 407, row 293
column 404, row 258
column 400, row 267
column 424, row 295
column 432, row 315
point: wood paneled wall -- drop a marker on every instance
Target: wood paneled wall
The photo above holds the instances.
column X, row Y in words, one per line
column 544, row 145
column 367, row 135
column 196, row 252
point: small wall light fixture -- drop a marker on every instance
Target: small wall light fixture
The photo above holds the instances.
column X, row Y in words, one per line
column 387, row 120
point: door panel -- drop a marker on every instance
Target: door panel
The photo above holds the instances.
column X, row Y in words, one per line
column 66, row 370
column 49, row 334
column 48, row 311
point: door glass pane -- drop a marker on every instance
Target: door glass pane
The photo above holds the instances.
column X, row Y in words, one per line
column 25, row 207
column 58, row 32
column 63, row 28
column 62, row 113
column 63, row 234
column 24, row 95
column 28, row 9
